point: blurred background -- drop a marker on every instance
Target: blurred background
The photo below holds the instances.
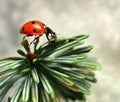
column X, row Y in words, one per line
column 99, row 18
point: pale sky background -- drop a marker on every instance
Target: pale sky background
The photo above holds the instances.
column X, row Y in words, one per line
column 99, row 18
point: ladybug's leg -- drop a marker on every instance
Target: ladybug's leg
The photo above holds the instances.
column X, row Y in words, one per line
column 36, row 41
column 47, row 36
column 33, row 40
column 25, row 36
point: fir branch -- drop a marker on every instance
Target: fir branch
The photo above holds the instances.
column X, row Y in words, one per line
column 60, row 68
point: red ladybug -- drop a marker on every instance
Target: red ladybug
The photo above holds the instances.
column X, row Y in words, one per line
column 37, row 28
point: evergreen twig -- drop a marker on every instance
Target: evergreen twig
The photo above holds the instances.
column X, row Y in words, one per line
column 59, row 68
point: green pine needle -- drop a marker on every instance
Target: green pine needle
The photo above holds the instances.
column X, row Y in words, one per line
column 60, row 68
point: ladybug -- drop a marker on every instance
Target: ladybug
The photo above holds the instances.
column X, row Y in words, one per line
column 37, row 28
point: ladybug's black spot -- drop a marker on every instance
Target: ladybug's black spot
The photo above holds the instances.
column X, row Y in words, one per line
column 33, row 22
column 23, row 29
column 34, row 30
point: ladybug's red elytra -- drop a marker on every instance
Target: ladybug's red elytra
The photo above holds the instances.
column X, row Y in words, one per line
column 37, row 28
